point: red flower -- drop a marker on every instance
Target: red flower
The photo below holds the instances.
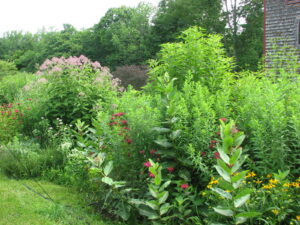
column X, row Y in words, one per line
column 124, row 122
column 223, row 119
column 151, row 175
column 203, row 154
column 129, row 141
column 213, row 142
column 170, row 169
column 126, row 128
column 142, row 152
column 218, row 133
column 119, row 114
column 152, row 151
column 16, row 110
column 147, row 164
column 184, row 186
column 112, row 118
column 217, row 155
column 211, row 146
column 112, row 123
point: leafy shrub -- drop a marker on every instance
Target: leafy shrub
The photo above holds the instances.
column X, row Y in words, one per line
column 7, row 68
column 132, row 75
column 75, row 84
column 23, row 159
column 199, row 54
column 11, row 117
column 12, row 85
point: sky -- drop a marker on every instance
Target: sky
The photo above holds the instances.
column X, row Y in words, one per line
column 33, row 15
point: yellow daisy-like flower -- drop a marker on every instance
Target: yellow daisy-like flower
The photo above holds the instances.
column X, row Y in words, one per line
column 275, row 211
column 286, row 185
column 298, row 218
column 269, row 175
column 295, row 184
column 273, row 181
column 212, row 182
column 258, row 181
column 250, row 174
column 268, row 186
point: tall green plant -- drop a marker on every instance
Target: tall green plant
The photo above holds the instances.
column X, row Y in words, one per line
column 230, row 161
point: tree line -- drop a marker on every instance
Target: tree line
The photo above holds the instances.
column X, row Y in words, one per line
column 132, row 35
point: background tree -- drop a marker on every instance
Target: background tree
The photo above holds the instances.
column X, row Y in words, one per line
column 174, row 16
column 123, row 35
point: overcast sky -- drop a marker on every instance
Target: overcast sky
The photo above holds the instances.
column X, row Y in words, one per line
column 32, row 15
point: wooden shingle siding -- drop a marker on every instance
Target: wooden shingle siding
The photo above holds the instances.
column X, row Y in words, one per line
column 282, row 23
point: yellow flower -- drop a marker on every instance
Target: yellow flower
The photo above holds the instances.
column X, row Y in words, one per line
column 250, row 174
column 298, row 218
column 295, row 184
column 258, row 181
column 275, row 211
column 212, row 182
column 273, row 181
column 269, row 175
column 286, row 185
column 268, row 186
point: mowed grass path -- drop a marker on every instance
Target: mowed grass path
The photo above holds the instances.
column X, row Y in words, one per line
column 19, row 206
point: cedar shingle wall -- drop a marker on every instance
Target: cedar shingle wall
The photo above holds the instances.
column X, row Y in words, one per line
column 281, row 22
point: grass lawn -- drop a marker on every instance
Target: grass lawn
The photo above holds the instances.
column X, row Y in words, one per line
column 19, row 206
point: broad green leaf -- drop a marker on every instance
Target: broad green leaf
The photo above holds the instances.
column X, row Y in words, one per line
column 223, row 211
column 175, row 134
column 239, row 140
column 239, row 176
column 222, row 193
column 107, row 180
column 161, row 129
column 148, row 212
column 152, row 204
column 224, row 166
column 236, row 155
column 136, row 201
column 164, row 143
column 248, row 214
column 227, row 144
column 123, row 211
column 223, row 173
column 165, row 185
column 240, row 220
column 153, row 191
column 108, row 168
column 243, row 192
column 164, row 209
column 157, row 179
column 225, row 185
column 239, row 163
column 223, row 155
column 162, row 197
column 241, row 201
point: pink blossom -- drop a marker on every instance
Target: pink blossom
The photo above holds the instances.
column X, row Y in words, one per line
column 170, row 169
column 184, row 186
column 147, row 164
column 151, row 175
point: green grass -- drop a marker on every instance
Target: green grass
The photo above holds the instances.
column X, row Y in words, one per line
column 19, row 206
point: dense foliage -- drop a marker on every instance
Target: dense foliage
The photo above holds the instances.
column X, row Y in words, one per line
column 199, row 144
column 127, row 36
